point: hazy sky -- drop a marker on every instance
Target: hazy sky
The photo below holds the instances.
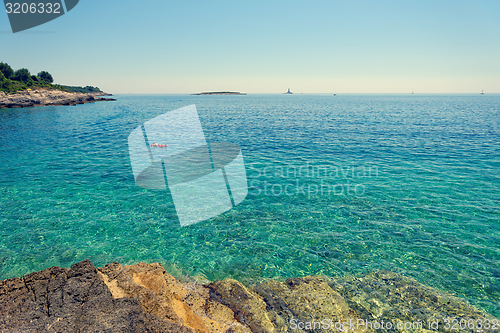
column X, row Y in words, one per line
column 125, row 46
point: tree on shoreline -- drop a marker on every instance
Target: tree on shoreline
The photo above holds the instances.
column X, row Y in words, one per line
column 6, row 70
column 12, row 81
column 45, row 77
column 22, row 75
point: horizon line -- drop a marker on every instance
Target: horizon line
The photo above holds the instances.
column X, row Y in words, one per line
column 314, row 93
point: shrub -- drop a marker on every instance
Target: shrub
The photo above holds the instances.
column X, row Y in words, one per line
column 4, row 83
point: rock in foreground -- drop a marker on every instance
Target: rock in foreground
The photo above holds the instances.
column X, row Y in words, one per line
column 145, row 298
column 43, row 97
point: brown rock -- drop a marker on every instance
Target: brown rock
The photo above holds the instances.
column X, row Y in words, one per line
column 72, row 300
column 161, row 295
column 249, row 308
column 308, row 299
column 144, row 298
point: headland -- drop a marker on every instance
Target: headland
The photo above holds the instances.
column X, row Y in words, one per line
column 20, row 89
column 46, row 97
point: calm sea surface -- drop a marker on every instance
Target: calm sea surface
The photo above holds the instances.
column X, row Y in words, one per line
column 338, row 185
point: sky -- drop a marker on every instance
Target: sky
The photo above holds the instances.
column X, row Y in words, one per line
column 167, row 47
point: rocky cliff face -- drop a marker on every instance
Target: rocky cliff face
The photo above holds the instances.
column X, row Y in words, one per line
column 47, row 97
column 145, row 298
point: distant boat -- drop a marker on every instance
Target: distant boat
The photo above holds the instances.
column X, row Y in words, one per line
column 412, row 92
column 482, row 92
column 289, row 92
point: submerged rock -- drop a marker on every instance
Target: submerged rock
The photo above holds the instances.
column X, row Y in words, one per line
column 387, row 296
column 145, row 298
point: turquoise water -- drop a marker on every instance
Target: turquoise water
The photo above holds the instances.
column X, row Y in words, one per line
column 414, row 188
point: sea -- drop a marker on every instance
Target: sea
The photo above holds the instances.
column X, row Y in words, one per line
column 337, row 185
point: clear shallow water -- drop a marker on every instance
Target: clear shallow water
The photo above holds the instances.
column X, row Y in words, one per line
column 414, row 188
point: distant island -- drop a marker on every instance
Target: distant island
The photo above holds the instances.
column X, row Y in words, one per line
column 220, row 93
column 20, row 89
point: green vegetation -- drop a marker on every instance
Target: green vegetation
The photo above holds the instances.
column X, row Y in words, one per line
column 6, row 70
column 22, row 75
column 12, row 81
column 45, row 76
column 87, row 89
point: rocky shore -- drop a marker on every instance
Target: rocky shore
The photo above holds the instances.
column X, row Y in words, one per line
column 145, row 298
column 42, row 97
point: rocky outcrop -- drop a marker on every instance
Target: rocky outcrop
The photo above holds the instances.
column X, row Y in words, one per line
column 145, row 298
column 43, row 97
column 72, row 300
column 161, row 295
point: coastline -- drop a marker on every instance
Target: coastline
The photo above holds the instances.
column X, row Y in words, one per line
column 45, row 97
column 145, row 298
